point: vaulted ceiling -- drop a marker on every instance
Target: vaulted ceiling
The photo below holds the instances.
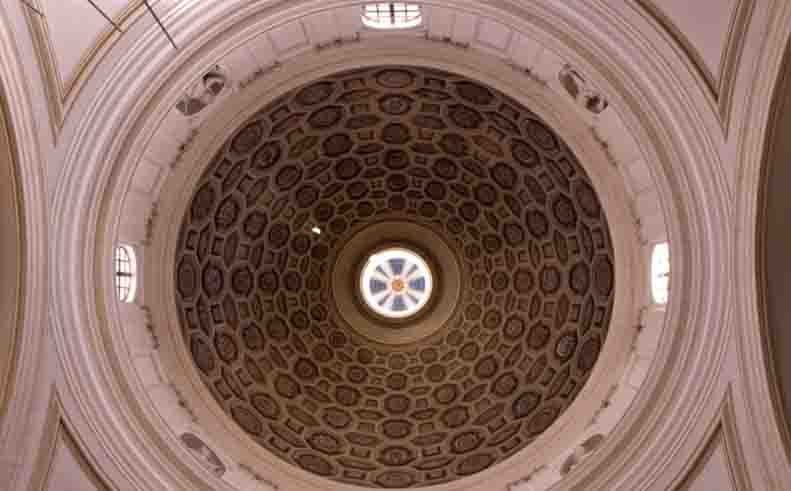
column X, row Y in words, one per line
column 253, row 153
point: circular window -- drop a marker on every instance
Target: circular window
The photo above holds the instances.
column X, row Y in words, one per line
column 396, row 283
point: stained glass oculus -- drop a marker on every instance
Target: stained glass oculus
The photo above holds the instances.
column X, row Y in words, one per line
column 396, row 283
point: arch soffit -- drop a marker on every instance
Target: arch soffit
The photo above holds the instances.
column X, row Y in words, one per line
column 23, row 407
column 760, row 385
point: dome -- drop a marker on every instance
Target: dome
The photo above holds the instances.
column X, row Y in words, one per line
column 380, row 181
column 457, row 245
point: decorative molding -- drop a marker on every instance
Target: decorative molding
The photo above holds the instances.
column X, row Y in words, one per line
column 605, row 147
column 203, row 453
column 515, row 485
column 182, row 402
column 57, row 434
column 61, row 93
column 722, row 432
column 183, row 147
column 46, row 449
column 447, row 40
column 23, row 413
column 720, row 85
column 150, row 328
column 581, row 90
column 203, row 93
column 14, row 302
column 256, row 75
column 762, row 428
column 150, row 222
column 258, row 478
column 780, row 104
column 337, row 42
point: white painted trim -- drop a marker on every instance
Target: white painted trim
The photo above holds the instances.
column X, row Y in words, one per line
column 761, row 433
column 22, row 424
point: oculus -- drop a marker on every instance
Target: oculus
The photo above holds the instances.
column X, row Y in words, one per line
column 396, row 283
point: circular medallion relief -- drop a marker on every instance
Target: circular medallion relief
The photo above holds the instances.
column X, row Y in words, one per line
column 281, row 306
column 396, row 283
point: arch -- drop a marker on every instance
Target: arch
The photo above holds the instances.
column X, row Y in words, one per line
column 25, row 375
column 11, row 257
column 774, row 244
column 766, row 442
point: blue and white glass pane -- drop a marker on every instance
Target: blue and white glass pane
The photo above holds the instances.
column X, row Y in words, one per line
column 396, row 265
column 418, row 284
column 376, row 285
column 396, row 283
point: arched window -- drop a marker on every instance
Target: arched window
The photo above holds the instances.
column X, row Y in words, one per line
column 660, row 273
column 391, row 15
column 125, row 273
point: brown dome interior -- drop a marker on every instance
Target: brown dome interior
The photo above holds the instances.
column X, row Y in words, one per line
column 403, row 145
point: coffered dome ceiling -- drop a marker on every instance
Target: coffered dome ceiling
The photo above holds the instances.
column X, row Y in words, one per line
column 281, row 227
